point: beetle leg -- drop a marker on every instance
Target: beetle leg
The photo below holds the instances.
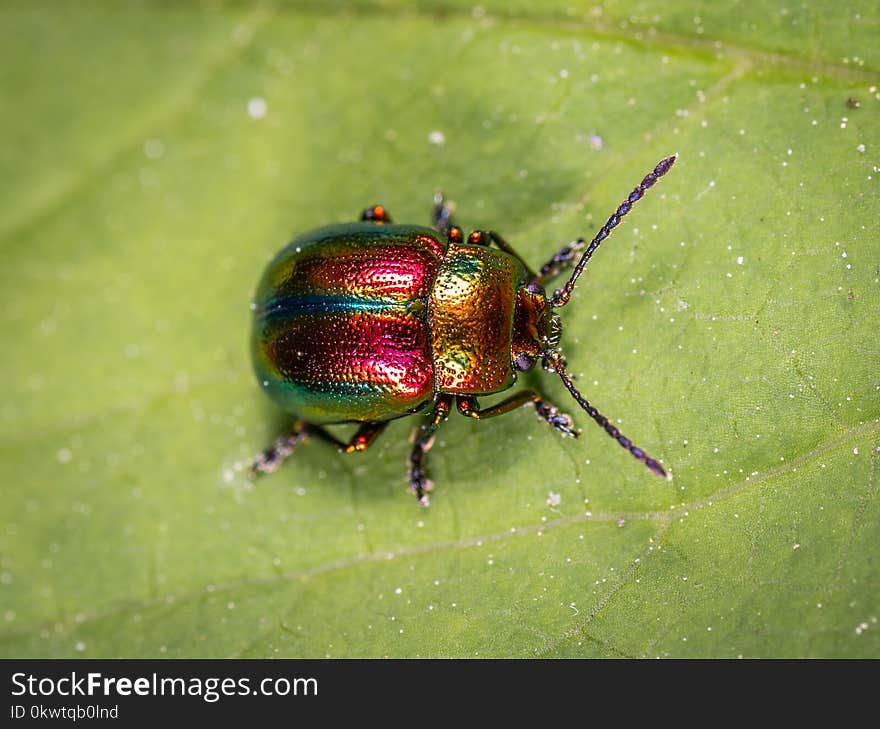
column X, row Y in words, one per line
column 418, row 482
column 363, row 437
column 560, row 422
column 270, row 459
column 441, row 219
column 376, row 214
column 561, row 260
column 496, row 238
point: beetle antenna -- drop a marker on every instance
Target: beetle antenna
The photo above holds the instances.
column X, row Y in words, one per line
column 561, row 296
column 636, row 452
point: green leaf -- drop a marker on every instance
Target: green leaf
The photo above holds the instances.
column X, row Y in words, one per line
column 156, row 155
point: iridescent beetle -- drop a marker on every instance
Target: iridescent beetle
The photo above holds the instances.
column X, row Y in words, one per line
column 366, row 322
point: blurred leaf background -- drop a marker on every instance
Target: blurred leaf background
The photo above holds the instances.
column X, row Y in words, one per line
column 156, row 154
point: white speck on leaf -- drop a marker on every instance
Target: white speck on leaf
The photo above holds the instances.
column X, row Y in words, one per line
column 154, row 149
column 257, row 107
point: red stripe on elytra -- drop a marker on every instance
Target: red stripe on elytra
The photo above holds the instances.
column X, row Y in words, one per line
column 383, row 273
column 385, row 351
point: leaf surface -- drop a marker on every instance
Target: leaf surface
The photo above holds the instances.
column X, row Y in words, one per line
column 157, row 155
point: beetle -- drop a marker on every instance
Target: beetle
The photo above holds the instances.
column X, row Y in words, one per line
column 370, row 321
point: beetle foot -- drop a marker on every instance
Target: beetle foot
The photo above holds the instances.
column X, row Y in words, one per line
column 271, row 458
column 421, row 486
column 267, row 462
column 560, row 422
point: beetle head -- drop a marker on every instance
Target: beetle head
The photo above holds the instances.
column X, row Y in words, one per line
column 536, row 329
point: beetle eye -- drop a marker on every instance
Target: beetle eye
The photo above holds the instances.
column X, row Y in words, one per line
column 533, row 287
column 524, row 362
